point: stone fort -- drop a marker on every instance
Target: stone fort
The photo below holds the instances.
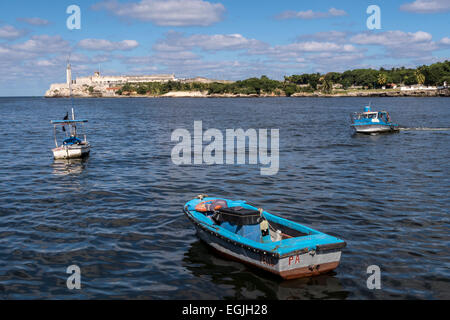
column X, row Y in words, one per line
column 103, row 84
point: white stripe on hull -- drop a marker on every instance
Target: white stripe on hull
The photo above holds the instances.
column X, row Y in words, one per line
column 71, row 152
column 372, row 128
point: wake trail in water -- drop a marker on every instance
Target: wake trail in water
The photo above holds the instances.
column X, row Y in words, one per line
column 424, row 129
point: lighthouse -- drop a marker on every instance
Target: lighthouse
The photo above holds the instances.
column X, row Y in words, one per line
column 69, row 74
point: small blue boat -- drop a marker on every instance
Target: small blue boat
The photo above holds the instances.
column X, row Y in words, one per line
column 241, row 231
column 371, row 122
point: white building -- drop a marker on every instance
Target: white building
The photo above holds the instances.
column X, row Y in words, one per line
column 99, row 80
column 417, row 87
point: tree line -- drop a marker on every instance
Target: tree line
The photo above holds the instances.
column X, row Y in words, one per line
column 435, row 75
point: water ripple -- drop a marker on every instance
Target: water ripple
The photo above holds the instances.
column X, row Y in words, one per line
column 118, row 214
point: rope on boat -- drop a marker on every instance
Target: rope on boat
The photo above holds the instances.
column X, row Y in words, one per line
column 261, row 210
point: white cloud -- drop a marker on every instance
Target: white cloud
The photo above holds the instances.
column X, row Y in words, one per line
column 175, row 56
column 445, row 41
column 223, row 42
column 427, row 6
column 305, row 49
column 10, row 32
column 82, row 59
column 392, row 38
column 176, row 41
column 43, row 44
column 309, row 14
column 176, row 13
column 175, row 51
column 337, row 62
column 140, row 61
column 427, row 60
column 35, row 63
column 45, row 63
column 315, row 46
column 106, row 45
column 7, row 54
column 187, row 64
column 399, row 44
column 42, row 59
column 334, row 36
column 316, row 55
column 34, row 21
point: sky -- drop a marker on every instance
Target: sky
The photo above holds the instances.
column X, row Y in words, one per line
column 220, row 39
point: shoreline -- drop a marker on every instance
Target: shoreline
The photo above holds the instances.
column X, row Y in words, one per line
column 200, row 95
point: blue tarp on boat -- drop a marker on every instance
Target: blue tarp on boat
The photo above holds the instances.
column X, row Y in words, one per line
column 72, row 141
column 251, row 232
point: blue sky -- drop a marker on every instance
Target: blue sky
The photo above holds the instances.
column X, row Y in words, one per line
column 226, row 39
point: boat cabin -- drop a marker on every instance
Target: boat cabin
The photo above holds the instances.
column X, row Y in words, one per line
column 369, row 116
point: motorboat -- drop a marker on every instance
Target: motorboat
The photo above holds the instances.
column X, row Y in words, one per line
column 372, row 122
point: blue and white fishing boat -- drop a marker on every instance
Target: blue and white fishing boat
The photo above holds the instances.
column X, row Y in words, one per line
column 241, row 231
column 72, row 146
column 371, row 122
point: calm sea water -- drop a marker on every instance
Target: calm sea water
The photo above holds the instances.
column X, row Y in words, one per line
column 118, row 214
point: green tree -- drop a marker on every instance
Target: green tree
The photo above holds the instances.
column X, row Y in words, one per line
column 127, row 87
column 290, row 89
column 382, row 79
column 327, row 85
column 419, row 77
column 142, row 89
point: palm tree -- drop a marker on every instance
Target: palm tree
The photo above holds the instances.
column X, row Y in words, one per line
column 327, row 85
column 420, row 77
column 382, row 79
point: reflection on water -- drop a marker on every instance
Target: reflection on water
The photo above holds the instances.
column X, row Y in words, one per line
column 69, row 166
column 249, row 282
column 372, row 137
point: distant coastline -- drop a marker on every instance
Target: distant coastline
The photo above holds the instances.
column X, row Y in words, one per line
column 175, row 95
column 425, row 81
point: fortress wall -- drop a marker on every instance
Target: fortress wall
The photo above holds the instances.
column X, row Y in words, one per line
column 113, row 80
column 59, row 86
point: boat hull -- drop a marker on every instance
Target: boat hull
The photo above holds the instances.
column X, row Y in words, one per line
column 374, row 128
column 293, row 266
column 71, row 151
